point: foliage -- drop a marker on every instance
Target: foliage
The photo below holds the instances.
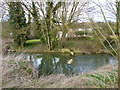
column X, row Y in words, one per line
column 104, row 80
column 37, row 23
column 17, row 23
column 81, row 32
column 45, row 28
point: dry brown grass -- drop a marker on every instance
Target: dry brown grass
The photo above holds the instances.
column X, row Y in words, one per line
column 23, row 79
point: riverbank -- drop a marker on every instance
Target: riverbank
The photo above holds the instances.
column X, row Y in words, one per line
column 86, row 46
column 65, row 50
column 17, row 74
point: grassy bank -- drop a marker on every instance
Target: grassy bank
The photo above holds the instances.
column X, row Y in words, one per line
column 83, row 46
column 18, row 74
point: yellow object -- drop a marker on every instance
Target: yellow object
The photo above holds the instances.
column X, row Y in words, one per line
column 70, row 61
column 72, row 53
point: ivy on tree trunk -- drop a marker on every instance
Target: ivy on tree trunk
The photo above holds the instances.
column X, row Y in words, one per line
column 17, row 23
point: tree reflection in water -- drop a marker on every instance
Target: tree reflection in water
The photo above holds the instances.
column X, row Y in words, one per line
column 49, row 63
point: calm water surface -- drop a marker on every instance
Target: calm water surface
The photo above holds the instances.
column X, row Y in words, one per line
column 47, row 63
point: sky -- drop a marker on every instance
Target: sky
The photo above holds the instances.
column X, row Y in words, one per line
column 97, row 14
column 109, row 14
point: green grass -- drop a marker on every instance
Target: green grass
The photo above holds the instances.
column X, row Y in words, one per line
column 33, row 41
column 30, row 46
column 105, row 80
column 83, row 43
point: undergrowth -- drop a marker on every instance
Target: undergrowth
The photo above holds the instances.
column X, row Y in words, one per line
column 17, row 73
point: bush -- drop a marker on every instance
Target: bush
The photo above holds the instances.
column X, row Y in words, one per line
column 80, row 32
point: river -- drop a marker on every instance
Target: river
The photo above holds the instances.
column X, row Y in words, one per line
column 56, row 63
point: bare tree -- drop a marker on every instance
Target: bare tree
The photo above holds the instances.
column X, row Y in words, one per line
column 70, row 13
column 115, row 9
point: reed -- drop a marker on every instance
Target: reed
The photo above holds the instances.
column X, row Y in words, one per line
column 17, row 73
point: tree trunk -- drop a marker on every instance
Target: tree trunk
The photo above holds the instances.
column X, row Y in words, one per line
column 63, row 39
column 118, row 33
column 119, row 68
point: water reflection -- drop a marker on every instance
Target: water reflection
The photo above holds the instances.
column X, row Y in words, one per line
column 48, row 63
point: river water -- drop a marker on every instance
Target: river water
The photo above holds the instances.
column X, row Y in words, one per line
column 56, row 63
